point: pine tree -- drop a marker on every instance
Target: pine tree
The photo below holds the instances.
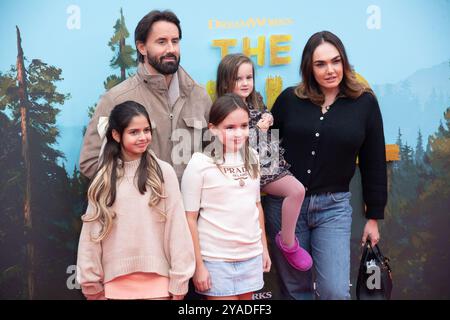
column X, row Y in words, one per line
column 11, row 209
column 30, row 99
column 440, row 148
column 399, row 138
column 400, row 144
column 123, row 59
column 24, row 106
column 124, row 54
column 420, row 153
column 434, row 205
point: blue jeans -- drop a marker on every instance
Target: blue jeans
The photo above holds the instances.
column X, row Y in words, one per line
column 324, row 229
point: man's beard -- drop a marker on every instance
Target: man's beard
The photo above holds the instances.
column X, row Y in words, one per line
column 165, row 68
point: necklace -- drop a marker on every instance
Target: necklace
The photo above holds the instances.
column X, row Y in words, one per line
column 327, row 107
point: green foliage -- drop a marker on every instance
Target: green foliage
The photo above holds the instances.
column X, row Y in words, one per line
column 111, row 81
column 124, row 54
column 52, row 204
column 123, row 59
column 416, row 225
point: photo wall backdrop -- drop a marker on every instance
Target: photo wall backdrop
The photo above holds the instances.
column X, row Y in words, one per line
column 67, row 53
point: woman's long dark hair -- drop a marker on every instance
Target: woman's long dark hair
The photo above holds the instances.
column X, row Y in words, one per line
column 309, row 88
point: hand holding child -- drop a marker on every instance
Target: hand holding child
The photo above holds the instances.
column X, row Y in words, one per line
column 265, row 122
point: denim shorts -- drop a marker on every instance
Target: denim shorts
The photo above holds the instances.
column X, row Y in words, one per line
column 232, row 278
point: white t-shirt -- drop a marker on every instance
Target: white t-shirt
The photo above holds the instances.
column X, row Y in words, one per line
column 228, row 223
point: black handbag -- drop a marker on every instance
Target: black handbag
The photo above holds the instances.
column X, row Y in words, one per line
column 375, row 276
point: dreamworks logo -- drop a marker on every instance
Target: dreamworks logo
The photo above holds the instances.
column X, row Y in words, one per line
column 374, row 280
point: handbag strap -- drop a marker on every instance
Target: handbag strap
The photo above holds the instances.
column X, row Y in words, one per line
column 365, row 254
column 377, row 253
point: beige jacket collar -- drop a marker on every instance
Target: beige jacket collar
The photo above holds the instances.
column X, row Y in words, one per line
column 158, row 81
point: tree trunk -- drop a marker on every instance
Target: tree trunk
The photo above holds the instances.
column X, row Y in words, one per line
column 121, row 49
column 24, row 104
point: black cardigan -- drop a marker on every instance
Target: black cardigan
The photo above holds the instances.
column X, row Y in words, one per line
column 322, row 148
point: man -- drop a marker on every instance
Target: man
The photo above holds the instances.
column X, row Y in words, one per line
column 177, row 105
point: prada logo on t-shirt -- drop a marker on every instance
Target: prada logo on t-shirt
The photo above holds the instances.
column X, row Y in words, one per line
column 236, row 173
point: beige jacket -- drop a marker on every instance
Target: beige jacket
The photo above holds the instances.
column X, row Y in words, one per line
column 190, row 112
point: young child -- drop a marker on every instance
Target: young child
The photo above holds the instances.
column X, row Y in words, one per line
column 135, row 241
column 222, row 200
column 236, row 74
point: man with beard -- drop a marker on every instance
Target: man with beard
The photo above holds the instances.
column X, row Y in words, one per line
column 177, row 105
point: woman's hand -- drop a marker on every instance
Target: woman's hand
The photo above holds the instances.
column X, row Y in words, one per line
column 371, row 232
column 178, row 297
column 201, row 279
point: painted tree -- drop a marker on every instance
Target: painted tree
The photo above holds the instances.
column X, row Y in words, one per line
column 434, row 204
column 24, row 106
column 420, row 152
column 11, row 209
column 416, row 224
column 123, row 58
column 439, row 157
column 29, row 101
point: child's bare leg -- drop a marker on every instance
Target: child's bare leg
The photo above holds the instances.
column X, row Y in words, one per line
column 246, row 296
column 294, row 193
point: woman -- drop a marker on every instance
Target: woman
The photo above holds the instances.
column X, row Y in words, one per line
column 326, row 123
